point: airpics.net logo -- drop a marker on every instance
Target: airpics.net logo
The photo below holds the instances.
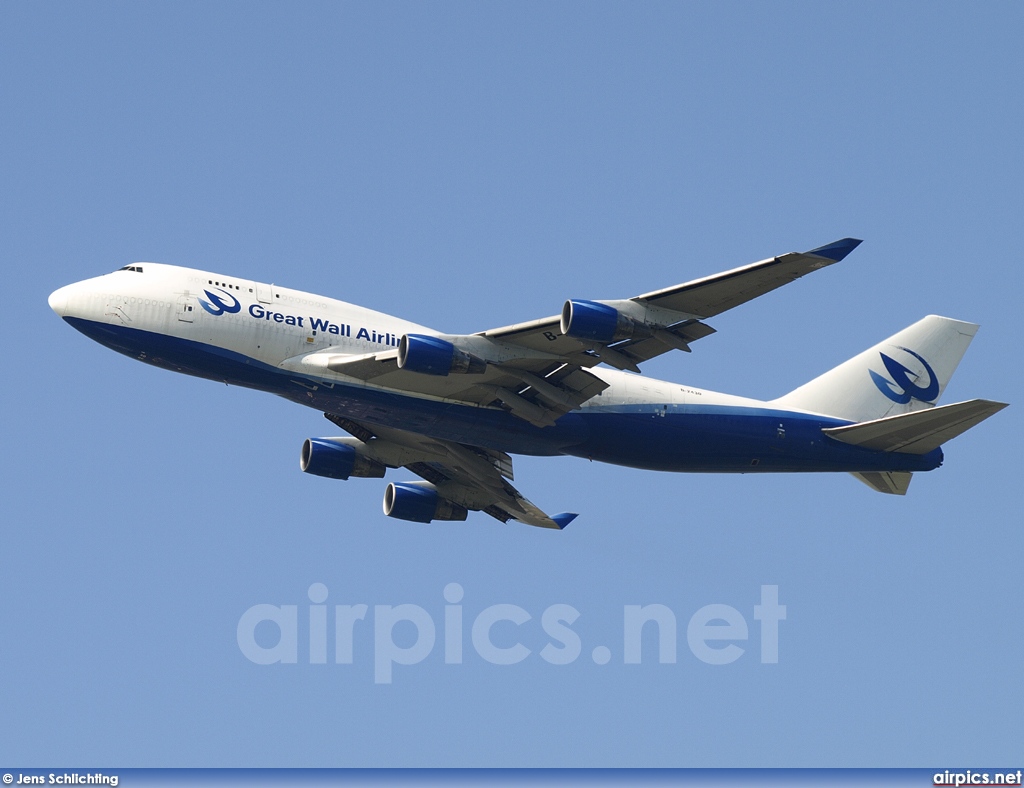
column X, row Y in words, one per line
column 270, row 634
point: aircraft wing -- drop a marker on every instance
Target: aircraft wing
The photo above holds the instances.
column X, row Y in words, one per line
column 672, row 317
column 473, row 478
column 538, row 370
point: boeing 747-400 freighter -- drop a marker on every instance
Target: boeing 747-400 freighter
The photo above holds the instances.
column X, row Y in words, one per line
column 452, row 408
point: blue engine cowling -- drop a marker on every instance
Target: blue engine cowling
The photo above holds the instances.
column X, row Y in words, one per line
column 433, row 356
column 335, row 458
column 419, row 502
column 596, row 322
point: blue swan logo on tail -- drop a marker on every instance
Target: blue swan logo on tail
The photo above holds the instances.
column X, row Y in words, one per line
column 901, row 389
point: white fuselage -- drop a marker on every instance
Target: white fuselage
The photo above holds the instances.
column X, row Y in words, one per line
column 276, row 325
column 268, row 337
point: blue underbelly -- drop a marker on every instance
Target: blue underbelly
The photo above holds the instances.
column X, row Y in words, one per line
column 655, row 437
column 729, row 440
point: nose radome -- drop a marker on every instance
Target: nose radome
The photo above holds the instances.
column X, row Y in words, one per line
column 58, row 301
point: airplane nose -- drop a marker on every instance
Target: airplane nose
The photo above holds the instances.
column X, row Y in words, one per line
column 58, row 301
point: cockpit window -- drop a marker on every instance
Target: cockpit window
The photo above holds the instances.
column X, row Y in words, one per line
column 136, row 268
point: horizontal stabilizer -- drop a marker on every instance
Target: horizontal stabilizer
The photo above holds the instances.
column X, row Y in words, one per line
column 917, row 432
column 888, row 482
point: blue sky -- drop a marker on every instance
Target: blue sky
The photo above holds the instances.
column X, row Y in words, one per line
column 468, row 166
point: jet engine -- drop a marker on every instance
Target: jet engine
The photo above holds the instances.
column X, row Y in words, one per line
column 419, row 502
column 435, row 356
column 596, row 322
column 338, row 458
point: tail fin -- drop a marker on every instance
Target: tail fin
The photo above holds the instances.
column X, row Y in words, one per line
column 907, row 372
column 888, row 482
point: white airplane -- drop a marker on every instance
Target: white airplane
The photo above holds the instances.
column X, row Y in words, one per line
column 452, row 408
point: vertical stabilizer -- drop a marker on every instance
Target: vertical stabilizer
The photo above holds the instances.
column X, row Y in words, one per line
column 888, row 482
column 907, row 372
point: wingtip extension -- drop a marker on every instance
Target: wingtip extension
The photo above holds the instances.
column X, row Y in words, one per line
column 563, row 519
column 837, row 250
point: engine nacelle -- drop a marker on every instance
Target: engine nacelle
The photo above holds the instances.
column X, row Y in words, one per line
column 596, row 322
column 419, row 502
column 434, row 356
column 336, row 458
